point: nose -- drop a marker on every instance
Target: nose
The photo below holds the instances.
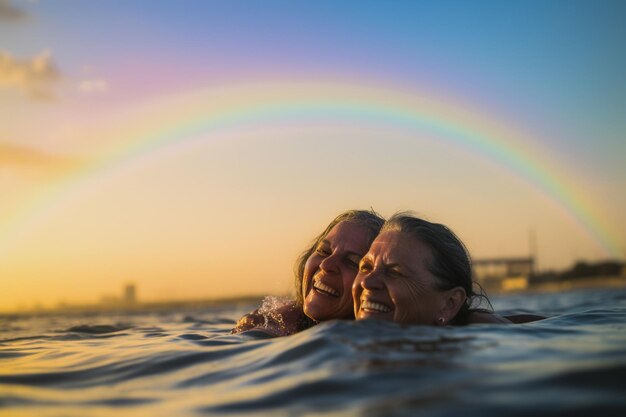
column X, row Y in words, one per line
column 329, row 263
column 373, row 280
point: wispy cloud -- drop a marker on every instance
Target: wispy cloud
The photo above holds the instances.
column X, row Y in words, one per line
column 35, row 77
column 11, row 13
column 35, row 160
column 95, row 86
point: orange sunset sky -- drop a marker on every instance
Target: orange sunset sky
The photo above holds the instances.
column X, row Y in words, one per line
column 195, row 148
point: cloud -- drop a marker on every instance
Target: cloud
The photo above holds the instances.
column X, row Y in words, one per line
column 94, row 86
column 10, row 13
column 32, row 159
column 35, row 76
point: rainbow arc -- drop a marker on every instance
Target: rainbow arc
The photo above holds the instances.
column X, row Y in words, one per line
column 177, row 121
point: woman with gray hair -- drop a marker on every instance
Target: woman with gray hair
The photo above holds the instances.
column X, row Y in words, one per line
column 418, row 272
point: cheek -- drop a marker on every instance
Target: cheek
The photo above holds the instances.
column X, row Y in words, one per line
column 356, row 291
column 349, row 278
column 416, row 304
column 356, row 285
column 408, row 299
column 309, row 269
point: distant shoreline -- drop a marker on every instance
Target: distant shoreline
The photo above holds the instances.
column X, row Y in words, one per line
column 139, row 306
column 566, row 285
column 543, row 287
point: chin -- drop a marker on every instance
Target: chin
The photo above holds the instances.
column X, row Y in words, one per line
column 314, row 311
column 322, row 311
column 315, row 315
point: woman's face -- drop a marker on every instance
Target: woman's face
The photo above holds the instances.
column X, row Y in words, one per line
column 330, row 271
column 394, row 283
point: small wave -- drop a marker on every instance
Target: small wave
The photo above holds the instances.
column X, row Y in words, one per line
column 603, row 378
column 121, row 402
column 23, row 338
column 155, row 334
column 97, row 328
column 589, row 316
column 7, row 354
column 318, row 394
column 211, row 321
column 16, row 400
column 192, row 336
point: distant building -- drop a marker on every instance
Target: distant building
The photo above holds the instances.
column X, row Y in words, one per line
column 504, row 274
column 130, row 294
column 128, row 298
column 584, row 269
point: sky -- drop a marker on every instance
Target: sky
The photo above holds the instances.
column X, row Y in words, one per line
column 195, row 148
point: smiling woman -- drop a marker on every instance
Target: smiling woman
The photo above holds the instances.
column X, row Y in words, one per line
column 324, row 275
column 329, row 271
column 418, row 272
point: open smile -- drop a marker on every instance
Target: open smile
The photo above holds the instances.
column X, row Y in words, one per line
column 374, row 307
column 322, row 288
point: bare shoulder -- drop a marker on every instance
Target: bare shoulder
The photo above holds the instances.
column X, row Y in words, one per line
column 486, row 317
column 524, row 318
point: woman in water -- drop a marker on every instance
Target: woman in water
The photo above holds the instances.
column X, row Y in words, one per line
column 418, row 272
column 324, row 274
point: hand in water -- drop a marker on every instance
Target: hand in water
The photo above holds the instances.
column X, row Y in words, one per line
column 249, row 322
column 278, row 317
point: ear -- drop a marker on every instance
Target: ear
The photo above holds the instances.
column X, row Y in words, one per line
column 453, row 301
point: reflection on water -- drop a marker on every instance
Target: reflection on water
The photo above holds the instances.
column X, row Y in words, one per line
column 185, row 363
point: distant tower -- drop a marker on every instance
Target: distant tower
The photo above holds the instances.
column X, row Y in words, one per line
column 532, row 249
column 130, row 294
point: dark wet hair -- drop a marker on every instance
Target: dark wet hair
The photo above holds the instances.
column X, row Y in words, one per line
column 451, row 263
column 368, row 218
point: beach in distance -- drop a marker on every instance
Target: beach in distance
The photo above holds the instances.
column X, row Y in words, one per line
column 183, row 361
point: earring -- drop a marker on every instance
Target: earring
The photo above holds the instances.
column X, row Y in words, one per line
column 441, row 321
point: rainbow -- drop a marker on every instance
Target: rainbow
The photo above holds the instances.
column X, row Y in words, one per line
column 180, row 120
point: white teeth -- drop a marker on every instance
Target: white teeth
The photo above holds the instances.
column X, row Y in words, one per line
column 325, row 288
column 370, row 305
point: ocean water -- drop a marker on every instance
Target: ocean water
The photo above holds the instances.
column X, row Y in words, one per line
column 185, row 363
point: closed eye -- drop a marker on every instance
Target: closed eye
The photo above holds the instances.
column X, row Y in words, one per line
column 395, row 272
column 323, row 251
column 353, row 261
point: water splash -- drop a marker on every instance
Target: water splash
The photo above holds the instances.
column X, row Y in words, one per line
column 272, row 308
column 278, row 316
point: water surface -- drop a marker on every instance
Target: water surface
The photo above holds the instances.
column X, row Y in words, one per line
column 185, row 363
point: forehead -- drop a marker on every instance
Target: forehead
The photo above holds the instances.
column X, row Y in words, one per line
column 397, row 247
column 350, row 236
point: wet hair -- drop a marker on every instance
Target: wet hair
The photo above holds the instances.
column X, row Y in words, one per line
column 451, row 264
column 368, row 218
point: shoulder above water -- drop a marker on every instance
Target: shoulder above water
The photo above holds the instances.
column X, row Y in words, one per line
column 486, row 317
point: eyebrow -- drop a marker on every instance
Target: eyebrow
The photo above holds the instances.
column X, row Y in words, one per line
column 397, row 265
column 347, row 252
